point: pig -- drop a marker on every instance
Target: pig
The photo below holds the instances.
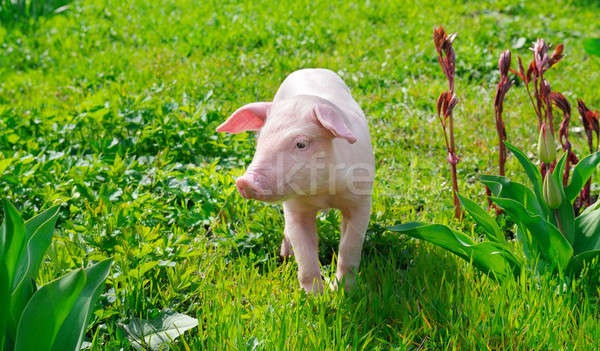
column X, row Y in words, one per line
column 313, row 152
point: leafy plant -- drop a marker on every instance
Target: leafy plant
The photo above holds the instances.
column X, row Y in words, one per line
column 542, row 99
column 55, row 316
column 549, row 233
column 550, row 237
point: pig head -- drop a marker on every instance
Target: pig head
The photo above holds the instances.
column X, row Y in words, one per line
column 311, row 153
column 294, row 147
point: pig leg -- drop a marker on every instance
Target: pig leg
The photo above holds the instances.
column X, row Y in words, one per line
column 286, row 248
column 354, row 225
column 301, row 231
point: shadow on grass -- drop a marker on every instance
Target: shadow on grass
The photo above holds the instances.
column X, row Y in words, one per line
column 421, row 297
column 25, row 13
column 587, row 3
column 407, row 294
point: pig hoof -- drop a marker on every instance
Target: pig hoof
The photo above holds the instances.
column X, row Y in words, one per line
column 313, row 285
column 347, row 281
column 286, row 249
column 286, row 254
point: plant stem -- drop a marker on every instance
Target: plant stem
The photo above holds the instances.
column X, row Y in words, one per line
column 535, row 107
column 501, row 147
column 453, row 161
column 557, row 217
column 457, row 211
column 586, row 195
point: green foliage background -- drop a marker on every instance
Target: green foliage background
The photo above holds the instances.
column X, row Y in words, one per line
column 110, row 108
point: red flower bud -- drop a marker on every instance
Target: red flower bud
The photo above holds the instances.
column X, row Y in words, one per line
column 504, row 63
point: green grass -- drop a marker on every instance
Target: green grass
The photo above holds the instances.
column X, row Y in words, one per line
column 110, row 108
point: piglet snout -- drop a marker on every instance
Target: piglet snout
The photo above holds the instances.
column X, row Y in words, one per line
column 249, row 186
column 246, row 188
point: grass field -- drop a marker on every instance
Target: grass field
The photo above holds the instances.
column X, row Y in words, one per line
column 109, row 108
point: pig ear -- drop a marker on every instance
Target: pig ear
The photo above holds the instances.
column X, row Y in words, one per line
column 332, row 120
column 248, row 117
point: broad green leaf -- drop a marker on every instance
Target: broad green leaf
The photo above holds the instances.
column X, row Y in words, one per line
column 504, row 187
column 4, row 239
column 4, row 301
column 158, row 333
column 588, row 230
column 565, row 211
column 73, row 328
column 592, row 46
column 4, row 287
column 18, row 299
column 592, row 207
column 487, row 256
column 530, row 169
column 559, row 170
column 492, row 231
column 33, row 223
column 551, row 244
column 38, row 237
column 14, row 232
column 46, row 311
column 526, row 242
column 581, row 173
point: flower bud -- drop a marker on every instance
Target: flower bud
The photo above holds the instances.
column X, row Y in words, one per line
column 504, row 63
column 546, row 145
column 540, row 55
column 452, row 103
column 552, row 193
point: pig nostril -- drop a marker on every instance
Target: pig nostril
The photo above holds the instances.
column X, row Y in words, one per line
column 241, row 186
column 245, row 188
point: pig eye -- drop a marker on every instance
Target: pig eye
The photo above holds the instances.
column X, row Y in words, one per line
column 301, row 143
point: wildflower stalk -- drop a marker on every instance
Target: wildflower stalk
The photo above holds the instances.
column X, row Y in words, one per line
column 561, row 102
column 503, row 86
column 591, row 126
column 541, row 96
column 501, row 89
column 446, row 103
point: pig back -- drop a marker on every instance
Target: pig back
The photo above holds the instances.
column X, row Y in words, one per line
column 319, row 82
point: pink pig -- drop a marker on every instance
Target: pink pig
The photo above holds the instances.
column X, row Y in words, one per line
column 313, row 152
